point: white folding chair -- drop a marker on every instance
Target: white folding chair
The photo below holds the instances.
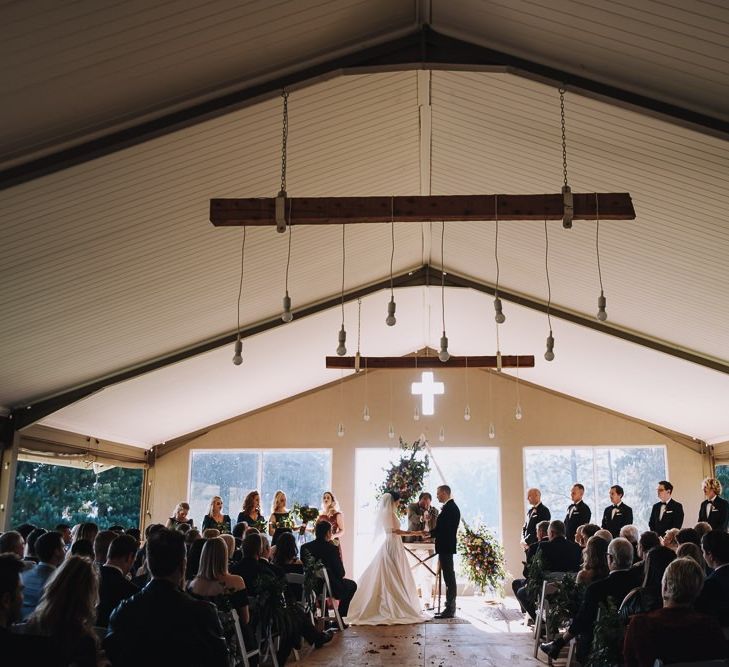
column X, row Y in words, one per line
column 239, row 635
column 548, row 588
column 326, row 593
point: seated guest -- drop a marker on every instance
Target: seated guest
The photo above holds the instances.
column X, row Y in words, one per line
column 690, row 550
column 605, row 535
column 250, row 566
column 669, row 539
column 666, row 513
column 287, row 558
column 588, row 530
column 51, row 552
column 85, row 531
column 594, row 562
column 179, row 517
column 65, row 613
column 82, row 548
column 714, row 598
column 617, row 514
column 30, row 554
column 686, row 535
column 578, row 513
column 647, row 541
column 191, row 536
column 229, row 544
column 714, row 510
column 518, row 584
column 144, row 629
column 239, row 530
column 323, row 550
column 65, row 530
column 210, row 533
column 648, row 596
column 631, row 534
column 25, row 529
column 558, row 553
column 226, row 591
column 12, row 542
column 702, row 527
column 616, row 585
column 580, row 538
column 193, row 559
column 136, row 534
column 113, row 583
column 101, row 546
column 675, row 633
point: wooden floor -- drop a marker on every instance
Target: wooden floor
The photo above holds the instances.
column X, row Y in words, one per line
column 483, row 635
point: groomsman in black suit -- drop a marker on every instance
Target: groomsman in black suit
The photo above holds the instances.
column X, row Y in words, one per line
column 666, row 513
column 536, row 513
column 578, row 513
column 618, row 514
column 714, row 510
column 445, row 546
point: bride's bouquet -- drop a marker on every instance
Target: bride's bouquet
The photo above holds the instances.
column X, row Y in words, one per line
column 482, row 557
column 407, row 475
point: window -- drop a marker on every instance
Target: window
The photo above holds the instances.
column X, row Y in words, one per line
column 722, row 474
column 554, row 470
column 303, row 475
column 471, row 472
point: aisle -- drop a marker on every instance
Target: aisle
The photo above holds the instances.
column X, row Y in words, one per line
column 482, row 636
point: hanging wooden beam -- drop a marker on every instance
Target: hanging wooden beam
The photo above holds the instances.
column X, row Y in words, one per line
column 450, row 208
column 371, row 363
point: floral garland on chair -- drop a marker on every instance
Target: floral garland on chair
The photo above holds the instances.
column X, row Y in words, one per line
column 482, row 557
column 407, row 475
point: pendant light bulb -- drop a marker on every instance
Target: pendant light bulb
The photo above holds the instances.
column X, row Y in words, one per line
column 518, row 414
column 549, row 354
column 391, row 432
column 444, row 355
column 366, row 414
column 601, row 303
column 441, row 434
column 287, row 315
column 342, row 348
column 340, row 430
column 416, row 414
column 492, row 431
column 238, row 354
column 499, row 317
column 390, row 320
column 467, row 413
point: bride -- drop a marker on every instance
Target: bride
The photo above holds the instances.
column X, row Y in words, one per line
column 386, row 593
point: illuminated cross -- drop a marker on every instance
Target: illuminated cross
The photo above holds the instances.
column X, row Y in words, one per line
column 428, row 389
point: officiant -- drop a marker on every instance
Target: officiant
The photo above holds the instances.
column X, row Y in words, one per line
column 421, row 516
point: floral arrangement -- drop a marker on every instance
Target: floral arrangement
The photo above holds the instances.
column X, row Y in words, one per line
column 407, row 475
column 283, row 521
column 482, row 557
column 306, row 513
column 261, row 525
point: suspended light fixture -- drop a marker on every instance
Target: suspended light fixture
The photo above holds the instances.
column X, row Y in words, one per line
column 443, row 353
column 366, row 410
column 416, row 413
column 492, row 428
column 601, row 300
column 467, row 411
column 518, row 414
column 441, row 434
column 568, row 206
column 340, row 430
column 342, row 337
column 238, row 349
column 286, row 315
column 391, row 432
column 549, row 354
column 390, row 320
column 499, row 317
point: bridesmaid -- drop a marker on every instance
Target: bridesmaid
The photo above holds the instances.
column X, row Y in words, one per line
column 330, row 512
column 280, row 520
column 251, row 513
column 215, row 517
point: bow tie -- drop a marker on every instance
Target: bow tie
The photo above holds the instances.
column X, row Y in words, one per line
column 664, row 504
column 615, row 507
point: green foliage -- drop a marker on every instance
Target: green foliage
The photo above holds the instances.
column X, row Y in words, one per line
column 270, row 606
column 306, row 513
column 535, row 577
column 46, row 495
column 607, row 638
column 722, row 474
column 407, row 475
column 563, row 605
column 312, row 581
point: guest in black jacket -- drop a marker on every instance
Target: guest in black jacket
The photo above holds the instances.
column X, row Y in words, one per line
column 323, row 550
column 666, row 513
column 518, row 584
column 113, row 583
column 445, row 532
column 714, row 598
column 145, row 629
column 578, row 513
column 618, row 514
column 537, row 512
column 560, row 554
column 714, row 510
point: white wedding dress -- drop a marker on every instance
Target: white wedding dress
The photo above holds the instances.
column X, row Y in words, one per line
column 386, row 593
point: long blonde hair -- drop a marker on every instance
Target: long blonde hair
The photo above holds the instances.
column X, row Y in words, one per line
column 67, row 608
column 277, row 500
column 214, row 559
column 212, row 502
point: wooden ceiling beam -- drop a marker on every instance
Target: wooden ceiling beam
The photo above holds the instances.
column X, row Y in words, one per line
column 414, row 362
column 434, row 208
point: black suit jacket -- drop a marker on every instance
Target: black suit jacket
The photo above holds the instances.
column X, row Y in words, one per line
column 719, row 517
column 113, row 588
column 330, row 558
column 446, row 529
column 672, row 517
column 251, row 569
column 616, row 586
column 579, row 517
column 533, row 517
column 623, row 517
column 530, row 554
column 162, row 625
column 560, row 555
column 714, row 597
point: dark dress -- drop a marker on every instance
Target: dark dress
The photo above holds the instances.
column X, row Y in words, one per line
column 260, row 523
column 223, row 526
column 284, row 523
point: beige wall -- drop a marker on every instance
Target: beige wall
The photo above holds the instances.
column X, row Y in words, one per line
column 310, row 421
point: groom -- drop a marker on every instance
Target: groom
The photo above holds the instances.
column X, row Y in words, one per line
column 445, row 546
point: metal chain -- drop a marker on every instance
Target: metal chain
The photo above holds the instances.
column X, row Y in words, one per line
column 564, row 135
column 285, row 137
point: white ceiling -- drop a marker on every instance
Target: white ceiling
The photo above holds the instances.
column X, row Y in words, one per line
column 206, row 389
